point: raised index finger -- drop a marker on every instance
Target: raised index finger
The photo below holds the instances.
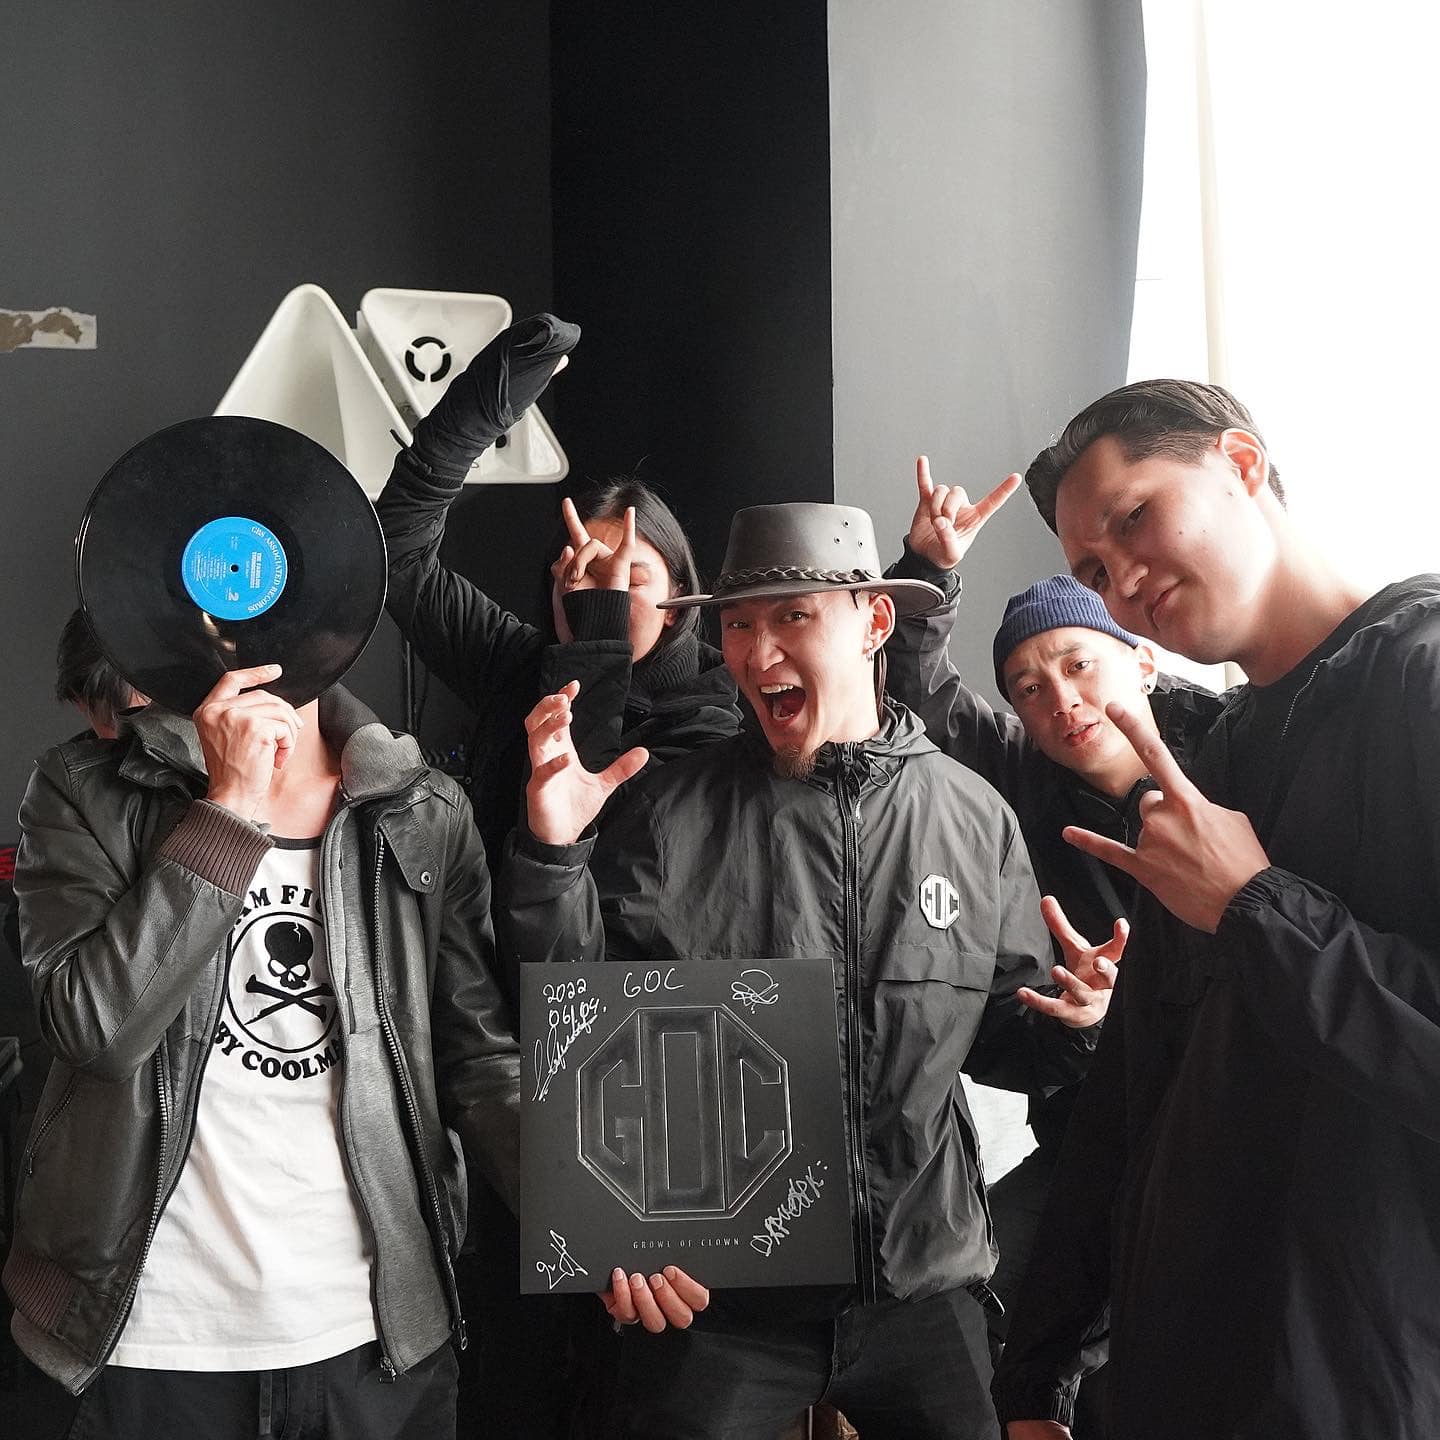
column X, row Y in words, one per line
column 232, row 682
column 579, row 535
column 923, row 482
column 1159, row 763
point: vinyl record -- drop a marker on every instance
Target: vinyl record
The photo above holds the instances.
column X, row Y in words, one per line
column 223, row 543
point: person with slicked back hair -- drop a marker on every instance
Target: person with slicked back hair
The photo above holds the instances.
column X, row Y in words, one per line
column 1249, row 1178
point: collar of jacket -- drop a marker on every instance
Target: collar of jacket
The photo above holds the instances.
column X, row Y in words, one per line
column 901, row 736
column 1398, row 608
column 374, row 760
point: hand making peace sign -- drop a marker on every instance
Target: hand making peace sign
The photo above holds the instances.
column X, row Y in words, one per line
column 1193, row 856
column 946, row 523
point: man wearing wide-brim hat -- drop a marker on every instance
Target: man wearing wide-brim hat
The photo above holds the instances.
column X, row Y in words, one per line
column 834, row 828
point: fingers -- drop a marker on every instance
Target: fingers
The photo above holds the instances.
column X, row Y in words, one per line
column 923, row 482
column 1153, row 751
column 232, row 682
column 690, row 1290
column 1071, row 940
column 631, row 763
column 561, row 567
column 1114, row 948
column 617, row 1300
column 671, row 1303
column 1112, row 852
column 627, row 536
column 579, row 535
column 997, row 497
column 550, row 705
column 585, row 556
column 641, row 1296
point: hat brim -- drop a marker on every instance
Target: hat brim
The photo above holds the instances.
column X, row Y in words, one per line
column 911, row 597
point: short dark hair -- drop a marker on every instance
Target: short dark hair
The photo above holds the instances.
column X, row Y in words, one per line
column 1151, row 417
column 655, row 522
column 84, row 677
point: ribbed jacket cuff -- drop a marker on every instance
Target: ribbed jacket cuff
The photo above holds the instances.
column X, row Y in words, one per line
column 39, row 1289
column 217, row 845
column 1034, row 1402
column 598, row 614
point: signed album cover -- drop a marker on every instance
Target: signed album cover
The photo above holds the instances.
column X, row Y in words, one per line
column 685, row 1114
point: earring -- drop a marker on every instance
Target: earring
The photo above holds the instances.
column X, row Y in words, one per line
column 1149, row 686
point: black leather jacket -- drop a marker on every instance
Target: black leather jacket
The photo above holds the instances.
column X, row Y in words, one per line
column 128, row 886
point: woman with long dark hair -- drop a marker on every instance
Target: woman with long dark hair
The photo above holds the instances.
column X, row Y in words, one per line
column 646, row 677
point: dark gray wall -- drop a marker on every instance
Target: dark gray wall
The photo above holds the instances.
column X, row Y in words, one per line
column 985, row 172
column 692, row 240
column 175, row 169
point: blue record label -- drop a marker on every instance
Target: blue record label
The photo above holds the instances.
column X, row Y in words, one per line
column 234, row 568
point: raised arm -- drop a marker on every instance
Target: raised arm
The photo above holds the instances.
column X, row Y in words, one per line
column 474, row 645
column 919, row 670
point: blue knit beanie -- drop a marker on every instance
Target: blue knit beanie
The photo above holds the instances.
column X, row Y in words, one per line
column 1048, row 605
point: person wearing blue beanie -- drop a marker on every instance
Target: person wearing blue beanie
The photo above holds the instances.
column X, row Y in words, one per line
column 1060, row 659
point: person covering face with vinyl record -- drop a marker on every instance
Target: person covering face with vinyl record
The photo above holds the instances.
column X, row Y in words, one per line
column 833, row 827
column 259, row 942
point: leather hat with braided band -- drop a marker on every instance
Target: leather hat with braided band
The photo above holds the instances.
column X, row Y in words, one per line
column 799, row 549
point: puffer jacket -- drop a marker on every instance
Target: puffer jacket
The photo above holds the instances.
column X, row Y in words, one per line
column 1251, row 1174
column 715, row 856
column 129, row 884
column 674, row 700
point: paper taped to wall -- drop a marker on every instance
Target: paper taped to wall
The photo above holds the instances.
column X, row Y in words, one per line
column 58, row 328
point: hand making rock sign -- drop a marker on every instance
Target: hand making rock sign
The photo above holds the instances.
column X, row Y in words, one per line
column 1192, row 855
column 945, row 523
column 589, row 563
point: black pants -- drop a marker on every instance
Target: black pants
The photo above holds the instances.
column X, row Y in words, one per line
column 1017, row 1201
column 342, row 1398
column 899, row 1370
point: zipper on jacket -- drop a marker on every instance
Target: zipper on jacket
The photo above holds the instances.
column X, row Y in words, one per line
column 387, row 1368
column 157, row 1206
column 412, row 1111
column 847, row 791
column 50, row 1119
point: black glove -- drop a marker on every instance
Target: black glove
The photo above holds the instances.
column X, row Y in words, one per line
column 491, row 394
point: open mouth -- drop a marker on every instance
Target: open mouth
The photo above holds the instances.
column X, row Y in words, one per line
column 1081, row 733
column 784, row 702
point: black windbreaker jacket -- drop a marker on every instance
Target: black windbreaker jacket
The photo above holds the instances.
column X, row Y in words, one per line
column 1045, row 796
column 1252, row 1174
column 716, row 856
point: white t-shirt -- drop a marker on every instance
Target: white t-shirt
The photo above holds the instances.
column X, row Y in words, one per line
column 261, row 1260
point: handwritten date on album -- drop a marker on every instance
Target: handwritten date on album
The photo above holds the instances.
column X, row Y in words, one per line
column 571, row 1014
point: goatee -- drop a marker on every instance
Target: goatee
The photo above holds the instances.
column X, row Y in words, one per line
column 793, row 763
